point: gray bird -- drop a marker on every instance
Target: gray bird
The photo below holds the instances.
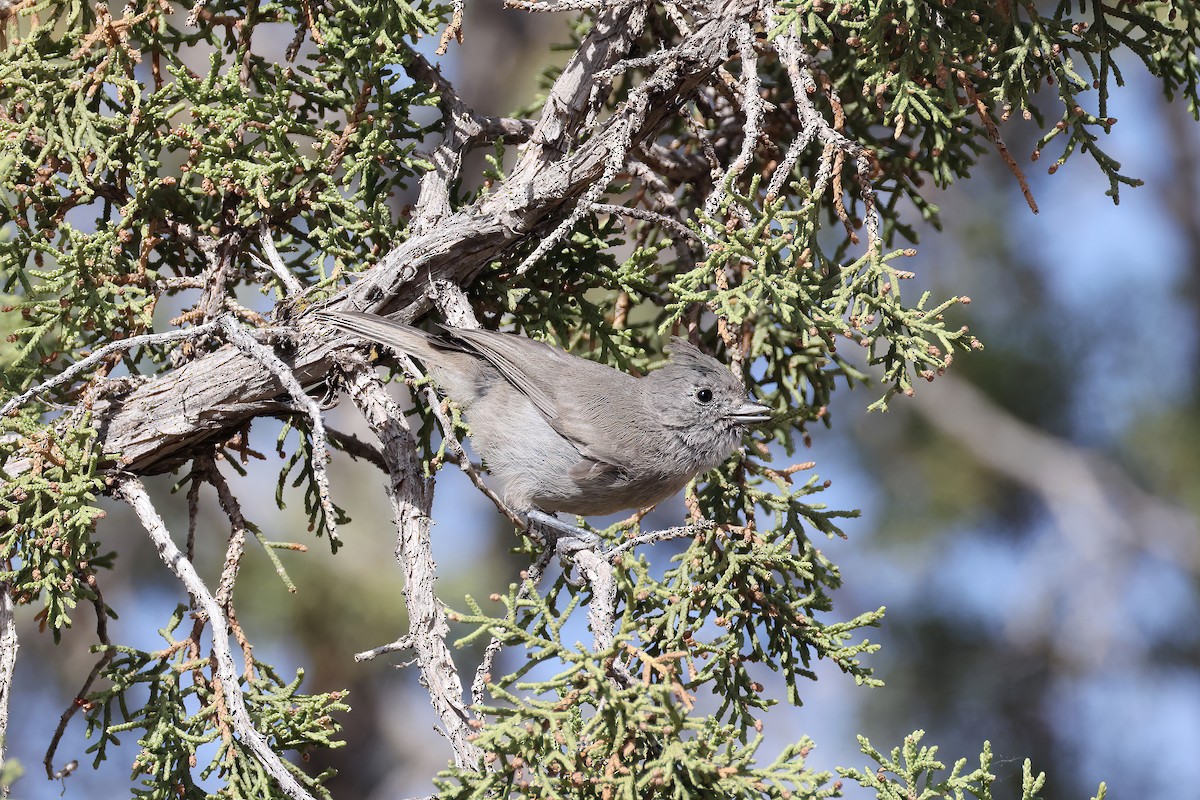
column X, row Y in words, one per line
column 561, row 433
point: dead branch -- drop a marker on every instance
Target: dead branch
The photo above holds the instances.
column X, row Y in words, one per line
column 411, row 496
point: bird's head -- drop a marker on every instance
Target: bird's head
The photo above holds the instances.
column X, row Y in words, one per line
column 702, row 402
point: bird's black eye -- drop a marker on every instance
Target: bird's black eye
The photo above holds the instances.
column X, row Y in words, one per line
column 704, row 395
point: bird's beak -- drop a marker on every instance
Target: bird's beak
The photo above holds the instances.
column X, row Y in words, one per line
column 751, row 414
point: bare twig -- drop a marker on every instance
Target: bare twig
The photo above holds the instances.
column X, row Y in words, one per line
column 993, row 131
column 508, row 129
column 453, row 28
column 237, row 534
column 110, row 349
column 237, row 531
column 8, row 662
column 274, row 263
column 106, row 655
column 569, row 5
column 671, row 225
column 401, row 644
column 356, row 448
column 658, row 536
column 784, row 169
column 193, row 504
column 754, row 108
column 242, row 340
column 132, row 491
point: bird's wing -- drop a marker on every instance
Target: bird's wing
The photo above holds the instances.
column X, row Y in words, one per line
column 573, row 394
column 526, row 364
column 592, row 472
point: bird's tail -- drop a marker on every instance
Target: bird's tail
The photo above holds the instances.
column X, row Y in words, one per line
column 428, row 347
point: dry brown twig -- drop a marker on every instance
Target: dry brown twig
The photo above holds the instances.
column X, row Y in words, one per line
column 453, row 29
column 993, row 130
column 106, row 655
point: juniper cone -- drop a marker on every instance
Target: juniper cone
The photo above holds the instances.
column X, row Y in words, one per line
column 561, row 433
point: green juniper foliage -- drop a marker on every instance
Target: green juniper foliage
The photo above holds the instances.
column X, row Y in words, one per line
column 135, row 151
column 148, row 161
column 169, row 736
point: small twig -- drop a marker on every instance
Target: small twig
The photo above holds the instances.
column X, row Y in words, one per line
column 993, row 131
column 8, row 662
column 356, row 448
column 658, row 536
column 240, row 338
column 754, row 107
column 568, row 5
column 838, row 192
column 239, row 527
column 237, row 531
column 453, row 29
column 105, row 657
column 131, row 490
column 193, row 504
column 646, row 215
column 626, row 64
column 511, row 130
column 403, row 643
column 145, row 339
column 193, row 16
column 784, row 169
column 274, row 263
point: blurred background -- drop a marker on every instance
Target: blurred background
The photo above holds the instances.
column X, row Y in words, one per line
column 1030, row 520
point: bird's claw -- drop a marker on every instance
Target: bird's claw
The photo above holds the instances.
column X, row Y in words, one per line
column 566, row 539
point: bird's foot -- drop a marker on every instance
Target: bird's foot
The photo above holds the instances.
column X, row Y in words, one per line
column 567, row 539
column 570, row 537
